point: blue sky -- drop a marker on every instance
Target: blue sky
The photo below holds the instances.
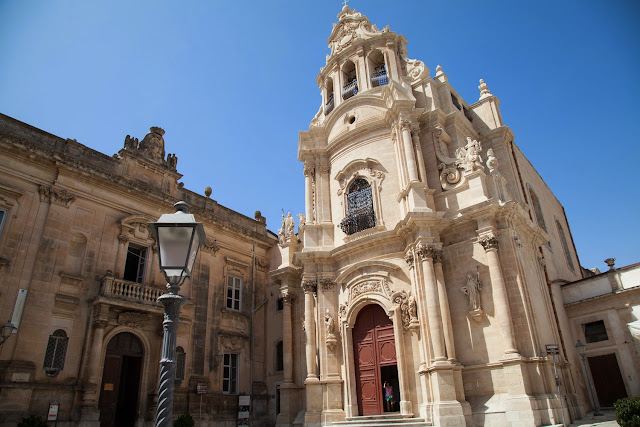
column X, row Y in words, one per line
column 233, row 83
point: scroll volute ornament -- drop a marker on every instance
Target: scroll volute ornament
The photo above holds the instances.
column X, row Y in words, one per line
column 489, row 242
column 450, row 175
column 425, row 251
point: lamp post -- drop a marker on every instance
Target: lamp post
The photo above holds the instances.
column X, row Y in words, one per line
column 7, row 330
column 178, row 236
column 582, row 351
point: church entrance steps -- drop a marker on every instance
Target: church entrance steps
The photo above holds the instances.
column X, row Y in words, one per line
column 382, row 420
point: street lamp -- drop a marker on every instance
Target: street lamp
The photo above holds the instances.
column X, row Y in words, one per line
column 582, row 351
column 7, row 330
column 178, row 236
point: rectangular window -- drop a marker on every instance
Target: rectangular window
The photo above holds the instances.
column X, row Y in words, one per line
column 279, row 304
column 595, row 331
column 3, row 215
column 135, row 264
column 230, row 374
column 234, row 291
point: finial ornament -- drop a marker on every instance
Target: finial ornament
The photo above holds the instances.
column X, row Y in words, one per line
column 344, row 3
column 484, row 90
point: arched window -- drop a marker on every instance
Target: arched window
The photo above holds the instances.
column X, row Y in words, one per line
column 279, row 359
column 180, row 360
column 537, row 209
column 360, row 213
column 56, row 352
column 378, row 69
column 565, row 245
column 350, row 79
column 329, row 102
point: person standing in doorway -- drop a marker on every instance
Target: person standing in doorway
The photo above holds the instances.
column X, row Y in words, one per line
column 388, row 396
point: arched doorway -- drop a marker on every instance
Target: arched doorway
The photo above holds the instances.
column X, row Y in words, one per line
column 375, row 360
column 121, row 381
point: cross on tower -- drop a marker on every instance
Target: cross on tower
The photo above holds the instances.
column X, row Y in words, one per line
column 344, row 3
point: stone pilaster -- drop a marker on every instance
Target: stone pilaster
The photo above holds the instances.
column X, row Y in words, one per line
column 444, row 306
column 426, row 254
column 407, row 143
column 309, row 172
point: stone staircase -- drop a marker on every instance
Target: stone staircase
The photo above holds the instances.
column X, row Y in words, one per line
column 382, row 420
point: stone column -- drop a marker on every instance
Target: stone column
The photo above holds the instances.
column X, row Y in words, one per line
column 308, row 192
column 324, row 201
column 310, row 287
column 121, row 257
column 287, row 335
column 405, row 403
column 92, row 393
column 426, row 254
column 337, row 86
column 444, row 306
column 500, row 298
column 407, row 143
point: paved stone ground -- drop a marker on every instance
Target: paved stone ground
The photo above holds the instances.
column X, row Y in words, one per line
column 607, row 420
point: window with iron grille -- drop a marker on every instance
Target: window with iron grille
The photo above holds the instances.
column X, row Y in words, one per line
column 230, row 374
column 56, row 352
column 234, row 292
column 135, row 264
column 180, row 361
column 360, row 214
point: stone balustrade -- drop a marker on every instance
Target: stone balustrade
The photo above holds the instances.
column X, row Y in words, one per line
column 130, row 291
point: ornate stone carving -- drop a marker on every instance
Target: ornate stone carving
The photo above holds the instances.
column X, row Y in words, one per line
column 152, row 145
column 286, row 295
column 210, row 247
column 438, row 254
column 133, row 319
column 409, row 258
column 484, row 90
column 342, row 312
column 172, row 161
column 327, row 284
column 404, row 124
column 231, row 344
column 99, row 323
column 450, row 176
column 123, row 239
column 469, row 156
column 408, row 309
column 369, row 286
column 302, row 221
column 424, row 251
column 357, row 168
column 308, row 171
column 262, row 264
column 492, row 162
column 352, row 26
column 309, row 285
column 287, row 231
column 489, row 242
column 130, row 143
column 59, row 196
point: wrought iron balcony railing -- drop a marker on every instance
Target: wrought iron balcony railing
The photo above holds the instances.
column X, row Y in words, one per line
column 358, row 220
column 130, row 291
column 379, row 78
column 350, row 89
column 329, row 106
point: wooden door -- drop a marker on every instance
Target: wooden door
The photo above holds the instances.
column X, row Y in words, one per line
column 607, row 379
column 374, row 346
column 109, row 389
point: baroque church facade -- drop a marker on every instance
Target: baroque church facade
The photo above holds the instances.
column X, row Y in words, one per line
column 424, row 281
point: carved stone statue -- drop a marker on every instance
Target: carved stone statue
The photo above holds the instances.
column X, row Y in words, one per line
column 329, row 323
column 302, row 220
column 289, row 225
column 281, row 238
column 172, row 161
column 413, row 308
column 472, row 290
column 492, row 162
column 153, row 144
column 469, row 155
column 130, row 143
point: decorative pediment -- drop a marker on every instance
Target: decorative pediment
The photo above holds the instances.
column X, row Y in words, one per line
column 352, row 26
column 360, row 167
column 136, row 227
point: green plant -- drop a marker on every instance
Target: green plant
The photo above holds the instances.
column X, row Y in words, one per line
column 184, row 420
column 33, row 421
column 628, row 411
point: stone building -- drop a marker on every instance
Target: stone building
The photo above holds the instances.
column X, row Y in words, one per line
column 604, row 314
column 432, row 255
column 80, row 280
column 428, row 274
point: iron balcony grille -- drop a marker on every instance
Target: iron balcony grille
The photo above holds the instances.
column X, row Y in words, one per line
column 329, row 106
column 350, row 89
column 379, row 78
column 358, row 220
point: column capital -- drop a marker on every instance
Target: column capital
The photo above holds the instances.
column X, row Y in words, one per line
column 308, row 169
column 405, row 124
column 324, row 167
column 438, row 254
column 99, row 323
column 286, row 295
column 409, row 258
column 309, row 286
column 425, row 251
column 327, row 284
column 489, row 242
column 123, row 239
